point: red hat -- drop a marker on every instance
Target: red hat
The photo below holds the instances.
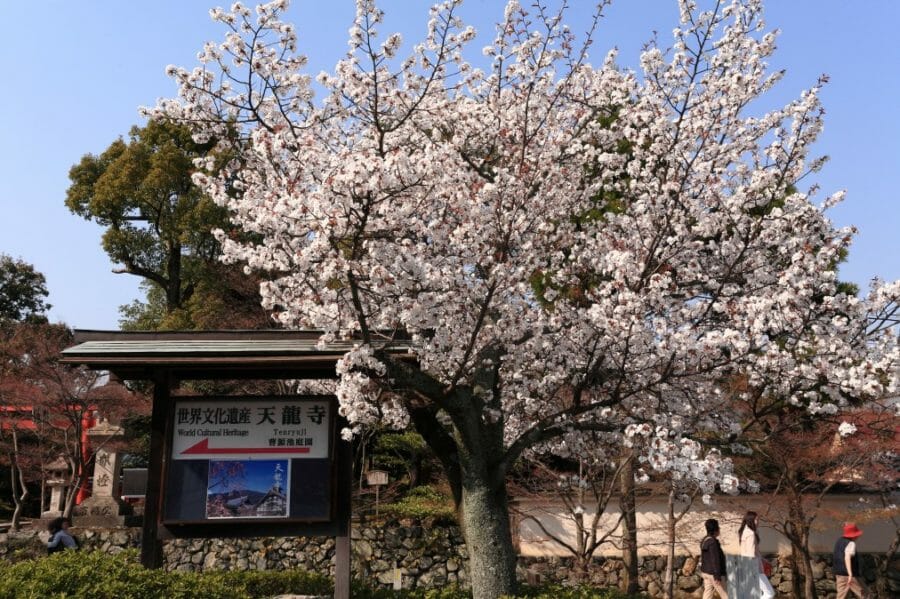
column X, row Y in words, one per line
column 850, row 531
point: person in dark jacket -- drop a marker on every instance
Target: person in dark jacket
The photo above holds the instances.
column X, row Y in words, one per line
column 60, row 537
column 846, row 565
column 712, row 562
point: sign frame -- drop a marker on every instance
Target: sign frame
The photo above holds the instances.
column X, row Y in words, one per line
column 168, row 358
column 329, row 525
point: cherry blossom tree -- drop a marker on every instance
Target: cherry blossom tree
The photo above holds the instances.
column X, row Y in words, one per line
column 686, row 471
column 583, row 486
column 788, row 422
column 553, row 237
column 801, row 458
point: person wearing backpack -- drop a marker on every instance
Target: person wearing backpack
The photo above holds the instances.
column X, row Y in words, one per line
column 845, row 565
column 712, row 562
column 60, row 537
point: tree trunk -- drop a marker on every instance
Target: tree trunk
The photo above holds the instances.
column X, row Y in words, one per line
column 12, row 487
column 15, row 495
column 803, row 583
column 809, row 581
column 69, row 503
column 799, row 537
column 796, row 576
column 474, row 459
column 883, row 564
column 583, row 552
column 484, row 516
column 17, row 478
column 669, row 583
column 582, row 541
column 43, row 490
column 77, row 478
column 627, row 504
column 173, row 277
column 44, row 499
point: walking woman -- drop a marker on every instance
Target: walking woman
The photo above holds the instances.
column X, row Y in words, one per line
column 756, row 583
column 712, row 562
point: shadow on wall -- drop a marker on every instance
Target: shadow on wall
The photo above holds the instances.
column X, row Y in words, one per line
column 652, row 527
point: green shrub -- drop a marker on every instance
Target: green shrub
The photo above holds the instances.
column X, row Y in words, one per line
column 564, row 592
column 360, row 591
column 424, row 503
column 268, row 583
column 92, row 574
column 81, row 574
column 96, row 575
column 543, row 592
column 399, row 453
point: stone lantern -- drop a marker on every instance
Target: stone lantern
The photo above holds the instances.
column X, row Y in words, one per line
column 58, row 479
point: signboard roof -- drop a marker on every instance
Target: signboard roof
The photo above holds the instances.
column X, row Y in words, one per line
column 214, row 354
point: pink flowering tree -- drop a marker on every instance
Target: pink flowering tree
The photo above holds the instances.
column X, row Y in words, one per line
column 554, row 237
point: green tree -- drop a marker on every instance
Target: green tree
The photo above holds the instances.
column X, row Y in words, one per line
column 158, row 224
column 224, row 297
column 23, row 291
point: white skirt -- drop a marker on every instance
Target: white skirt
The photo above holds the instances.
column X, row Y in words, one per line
column 745, row 581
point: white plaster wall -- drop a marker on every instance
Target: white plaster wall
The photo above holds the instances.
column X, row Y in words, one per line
column 651, row 523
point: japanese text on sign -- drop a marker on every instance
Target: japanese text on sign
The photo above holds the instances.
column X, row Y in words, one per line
column 276, row 427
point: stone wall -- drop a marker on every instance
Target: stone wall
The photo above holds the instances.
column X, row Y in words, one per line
column 607, row 572
column 413, row 556
column 410, row 556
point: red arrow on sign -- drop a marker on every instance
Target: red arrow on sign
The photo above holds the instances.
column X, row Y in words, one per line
column 203, row 447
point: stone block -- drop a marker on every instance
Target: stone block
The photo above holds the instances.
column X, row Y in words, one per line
column 363, row 549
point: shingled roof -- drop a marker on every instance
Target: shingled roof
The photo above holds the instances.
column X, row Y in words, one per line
column 212, row 354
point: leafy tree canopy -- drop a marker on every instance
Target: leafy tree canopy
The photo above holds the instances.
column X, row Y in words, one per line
column 158, row 224
column 23, row 291
column 224, row 298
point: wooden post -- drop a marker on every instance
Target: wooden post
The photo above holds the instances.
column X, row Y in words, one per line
column 344, row 506
column 151, row 547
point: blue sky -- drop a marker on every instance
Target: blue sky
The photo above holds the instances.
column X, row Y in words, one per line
column 75, row 73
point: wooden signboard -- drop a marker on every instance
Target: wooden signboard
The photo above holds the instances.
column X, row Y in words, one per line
column 239, row 466
column 236, row 466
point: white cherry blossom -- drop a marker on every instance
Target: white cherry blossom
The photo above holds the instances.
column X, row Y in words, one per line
column 566, row 246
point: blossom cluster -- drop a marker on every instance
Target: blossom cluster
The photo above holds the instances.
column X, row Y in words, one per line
column 569, row 246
